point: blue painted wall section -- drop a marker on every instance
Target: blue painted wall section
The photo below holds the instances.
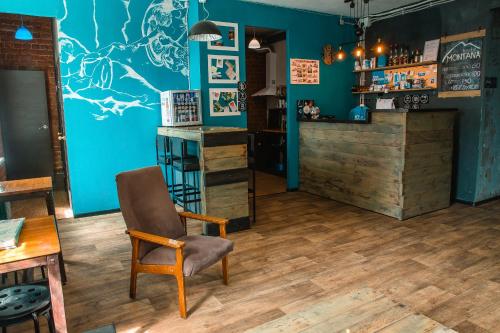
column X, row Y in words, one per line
column 113, row 68
column 307, row 33
column 48, row 8
column 488, row 176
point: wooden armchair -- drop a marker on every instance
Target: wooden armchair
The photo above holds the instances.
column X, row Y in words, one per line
column 160, row 244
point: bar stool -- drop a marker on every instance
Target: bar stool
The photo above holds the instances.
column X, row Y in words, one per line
column 188, row 191
column 165, row 157
column 25, row 302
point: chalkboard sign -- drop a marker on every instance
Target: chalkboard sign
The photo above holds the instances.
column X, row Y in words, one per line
column 460, row 60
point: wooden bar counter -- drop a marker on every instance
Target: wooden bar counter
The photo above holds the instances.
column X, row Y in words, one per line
column 223, row 172
column 398, row 164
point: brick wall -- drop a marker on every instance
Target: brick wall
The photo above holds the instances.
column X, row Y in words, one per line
column 37, row 54
column 256, row 80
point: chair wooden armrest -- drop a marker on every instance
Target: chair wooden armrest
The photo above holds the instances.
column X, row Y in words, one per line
column 172, row 243
column 204, row 218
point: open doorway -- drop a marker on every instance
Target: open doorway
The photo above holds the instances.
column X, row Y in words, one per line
column 266, row 116
column 32, row 140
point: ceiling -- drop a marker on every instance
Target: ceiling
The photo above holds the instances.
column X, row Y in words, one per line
column 334, row 6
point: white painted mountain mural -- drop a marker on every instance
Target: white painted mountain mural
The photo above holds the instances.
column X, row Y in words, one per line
column 117, row 55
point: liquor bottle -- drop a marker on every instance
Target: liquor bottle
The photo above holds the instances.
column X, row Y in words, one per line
column 412, row 57
column 416, row 56
column 404, row 52
column 391, row 56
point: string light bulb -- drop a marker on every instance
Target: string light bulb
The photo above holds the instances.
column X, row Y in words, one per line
column 379, row 47
column 358, row 51
column 341, row 55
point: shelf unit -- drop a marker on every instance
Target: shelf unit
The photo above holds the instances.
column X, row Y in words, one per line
column 391, row 91
column 425, row 63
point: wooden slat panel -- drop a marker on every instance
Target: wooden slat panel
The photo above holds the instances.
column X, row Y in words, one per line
column 222, row 164
column 224, row 139
column 210, row 153
column 226, row 177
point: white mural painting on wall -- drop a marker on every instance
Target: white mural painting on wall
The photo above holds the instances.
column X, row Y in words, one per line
column 111, row 78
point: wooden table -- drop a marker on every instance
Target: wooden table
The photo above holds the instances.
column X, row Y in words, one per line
column 22, row 189
column 39, row 246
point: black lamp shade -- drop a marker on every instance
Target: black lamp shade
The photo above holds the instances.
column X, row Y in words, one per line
column 205, row 31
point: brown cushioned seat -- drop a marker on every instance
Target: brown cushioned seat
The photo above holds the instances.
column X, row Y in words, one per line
column 200, row 252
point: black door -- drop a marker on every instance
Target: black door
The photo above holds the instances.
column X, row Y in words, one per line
column 24, row 122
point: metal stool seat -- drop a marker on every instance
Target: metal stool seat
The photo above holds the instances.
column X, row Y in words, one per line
column 189, row 164
column 25, row 302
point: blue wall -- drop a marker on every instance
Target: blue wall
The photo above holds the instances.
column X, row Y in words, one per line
column 307, row 33
column 113, row 68
column 49, row 8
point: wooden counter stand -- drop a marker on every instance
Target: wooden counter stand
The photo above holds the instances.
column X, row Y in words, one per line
column 399, row 165
column 223, row 175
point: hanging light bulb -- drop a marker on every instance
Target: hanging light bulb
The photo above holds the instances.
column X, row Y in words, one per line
column 205, row 31
column 358, row 51
column 254, row 43
column 379, row 47
column 23, row 33
column 341, row 55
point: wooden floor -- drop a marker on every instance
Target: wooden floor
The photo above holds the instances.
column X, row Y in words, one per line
column 267, row 184
column 310, row 265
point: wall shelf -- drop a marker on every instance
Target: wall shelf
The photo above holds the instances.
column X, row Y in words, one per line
column 392, row 91
column 425, row 63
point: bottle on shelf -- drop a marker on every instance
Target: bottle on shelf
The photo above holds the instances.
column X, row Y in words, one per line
column 391, row 56
column 404, row 52
column 416, row 56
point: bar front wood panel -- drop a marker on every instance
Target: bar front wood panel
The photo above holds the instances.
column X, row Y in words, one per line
column 225, row 190
column 428, row 162
column 379, row 166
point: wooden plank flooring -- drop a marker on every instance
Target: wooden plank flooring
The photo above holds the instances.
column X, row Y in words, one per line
column 310, row 265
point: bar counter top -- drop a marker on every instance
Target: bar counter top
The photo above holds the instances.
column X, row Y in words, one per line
column 333, row 120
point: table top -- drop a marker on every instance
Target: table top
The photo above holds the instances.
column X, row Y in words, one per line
column 38, row 238
column 25, row 186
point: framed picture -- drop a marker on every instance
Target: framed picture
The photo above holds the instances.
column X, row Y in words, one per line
column 229, row 41
column 224, row 102
column 223, row 69
column 304, row 71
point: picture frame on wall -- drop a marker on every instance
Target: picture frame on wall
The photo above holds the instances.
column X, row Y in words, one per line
column 229, row 40
column 223, row 69
column 224, row 102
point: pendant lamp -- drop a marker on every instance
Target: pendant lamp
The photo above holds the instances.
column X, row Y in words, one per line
column 205, row 30
column 254, row 43
column 23, row 33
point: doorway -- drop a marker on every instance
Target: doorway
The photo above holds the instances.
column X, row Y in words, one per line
column 32, row 133
column 266, row 115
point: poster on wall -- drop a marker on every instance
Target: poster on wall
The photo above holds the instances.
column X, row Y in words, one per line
column 461, row 64
column 224, row 102
column 229, row 40
column 223, row 69
column 304, row 71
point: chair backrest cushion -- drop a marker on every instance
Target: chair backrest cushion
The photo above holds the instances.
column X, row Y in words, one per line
column 146, row 205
